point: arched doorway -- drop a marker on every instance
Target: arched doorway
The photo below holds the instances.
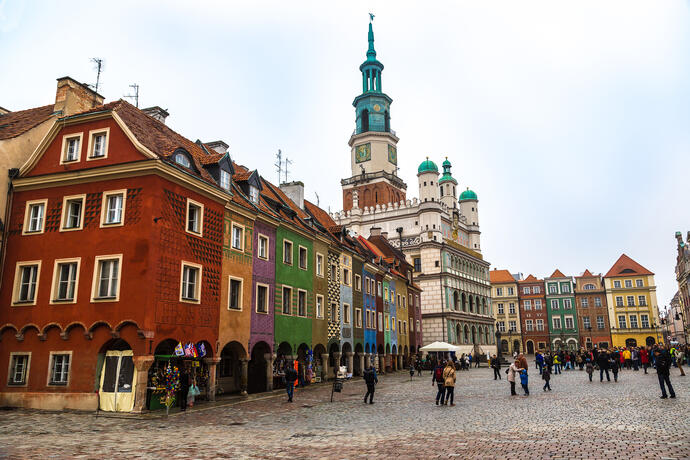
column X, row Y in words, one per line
column 332, row 364
column 230, row 367
column 258, row 372
column 117, row 377
column 357, row 365
column 630, row 342
column 347, row 349
column 530, row 347
column 504, row 346
column 650, row 341
column 516, row 345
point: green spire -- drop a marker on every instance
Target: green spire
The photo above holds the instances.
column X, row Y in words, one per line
column 371, row 52
column 447, row 176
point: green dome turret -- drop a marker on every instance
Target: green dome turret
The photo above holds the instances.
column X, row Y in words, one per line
column 468, row 195
column 427, row 166
column 447, row 176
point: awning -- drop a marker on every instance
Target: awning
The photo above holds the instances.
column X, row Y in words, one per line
column 439, row 346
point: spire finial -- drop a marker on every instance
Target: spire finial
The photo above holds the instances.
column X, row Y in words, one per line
column 371, row 52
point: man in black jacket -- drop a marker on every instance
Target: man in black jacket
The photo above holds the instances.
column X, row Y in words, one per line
column 603, row 362
column 290, row 377
column 663, row 367
column 371, row 380
column 496, row 366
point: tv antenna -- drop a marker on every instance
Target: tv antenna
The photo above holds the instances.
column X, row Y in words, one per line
column 317, row 199
column 279, row 164
column 134, row 96
column 287, row 162
column 99, row 67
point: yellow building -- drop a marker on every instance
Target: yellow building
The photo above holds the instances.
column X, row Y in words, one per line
column 632, row 305
column 505, row 307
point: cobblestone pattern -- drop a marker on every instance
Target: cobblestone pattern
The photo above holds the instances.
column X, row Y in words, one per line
column 577, row 419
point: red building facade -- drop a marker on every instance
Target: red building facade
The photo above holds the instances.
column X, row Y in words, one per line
column 592, row 311
column 114, row 255
column 533, row 315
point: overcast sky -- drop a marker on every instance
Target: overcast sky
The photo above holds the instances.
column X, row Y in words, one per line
column 569, row 119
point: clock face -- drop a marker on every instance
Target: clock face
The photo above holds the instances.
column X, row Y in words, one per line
column 363, row 153
column 392, row 154
column 377, row 108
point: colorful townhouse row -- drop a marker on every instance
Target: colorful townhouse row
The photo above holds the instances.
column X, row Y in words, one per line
column 126, row 245
column 565, row 312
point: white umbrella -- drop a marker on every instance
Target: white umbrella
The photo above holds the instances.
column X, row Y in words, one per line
column 439, row 346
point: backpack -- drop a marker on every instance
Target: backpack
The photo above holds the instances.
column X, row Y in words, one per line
column 438, row 374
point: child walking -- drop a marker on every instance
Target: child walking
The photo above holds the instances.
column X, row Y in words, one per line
column 546, row 377
column 590, row 368
column 524, row 380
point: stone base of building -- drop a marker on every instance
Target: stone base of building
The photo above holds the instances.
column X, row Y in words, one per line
column 640, row 339
column 50, row 401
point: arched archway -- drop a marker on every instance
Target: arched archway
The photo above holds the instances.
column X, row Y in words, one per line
column 464, row 302
column 474, row 335
column 504, row 346
column 516, row 345
column 630, row 342
column 456, row 301
column 467, row 334
column 530, row 347
column 458, row 333
column 117, row 387
column 257, row 371
column 357, row 365
column 230, row 367
column 332, row 364
column 284, row 350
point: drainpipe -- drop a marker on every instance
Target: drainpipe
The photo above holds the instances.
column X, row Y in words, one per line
column 12, row 173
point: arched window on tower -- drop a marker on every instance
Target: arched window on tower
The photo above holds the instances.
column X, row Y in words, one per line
column 365, row 120
column 387, row 121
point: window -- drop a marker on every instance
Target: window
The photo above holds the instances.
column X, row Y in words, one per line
column 301, row 303
column 319, row 265
column 319, row 306
column 642, row 300
column 262, row 298
column 584, row 302
column 502, row 326
column 73, row 212
column 631, row 300
column 385, row 294
column 540, row 324
column 19, row 368
column 553, row 289
column 113, row 207
column 106, row 278
column 302, row 252
column 500, row 308
column 554, row 304
column 565, row 288
column 333, row 272
column 527, row 304
column 569, row 322
column 380, row 322
column 511, row 308
column 346, row 313
column 346, row 277
column 499, row 292
column 34, row 217
column 98, row 144
column 263, row 247
column 417, row 261
column 622, row 322
column 378, row 286
column 619, row 301
column 225, row 179
column 191, row 282
column 71, row 148
column 403, row 302
column 26, row 276
column 287, row 252
column 638, row 283
column 59, row 368
column 511, row 291
column 287, row 300
column 182, row 160
column 628, row 283
column 235, row 293
column 334, row 312
column 65, row 280
column 585, row 322
column 633, row 321
column 237, row 237
column 556, row 322
column 399, row 325
column 253, row 194
column 567, row 303
column 358, row 282
column 404, row 327
column 617, row 284
column 529, row 326
column 513, row 326
column 387, row 322
column 537, row 304
column 600, row 322
column 525, row 290
column 645, row 321
column 589, row 287
column 358, row 317
column 536, row 289
column 195, row 217
column 597, row 301
column 398, row 299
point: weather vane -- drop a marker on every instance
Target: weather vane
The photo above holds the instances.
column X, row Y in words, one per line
column 371, row 17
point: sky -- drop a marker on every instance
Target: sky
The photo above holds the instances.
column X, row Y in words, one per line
column 570, row 120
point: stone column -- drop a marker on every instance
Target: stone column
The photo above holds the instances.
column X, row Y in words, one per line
column 244, row 375
column 367, row 361
column 349, row 361
column 324, row 367
column 382, row 363
column 401, row 364
column 142, row 364
column 269, row 357
column 336, row 358
column 211, row 387
column 394, row 362
column 361, row 364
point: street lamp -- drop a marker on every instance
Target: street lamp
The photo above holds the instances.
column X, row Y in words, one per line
column 498, row 343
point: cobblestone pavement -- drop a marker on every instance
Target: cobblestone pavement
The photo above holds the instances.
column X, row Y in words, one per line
column 577, row 419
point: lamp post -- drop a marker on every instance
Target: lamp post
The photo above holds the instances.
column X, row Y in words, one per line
column 498, row 343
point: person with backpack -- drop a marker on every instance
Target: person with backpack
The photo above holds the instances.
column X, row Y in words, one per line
column 290, row 377
column 496, row 366
column 663, row 371
column 590, row 368
column 546, row 377
column 449, row 381
column 371, row 380
column 539, row 359
column 437, row 379
column 614, row 363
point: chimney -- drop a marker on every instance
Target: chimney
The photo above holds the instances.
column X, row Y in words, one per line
column 384, row 234
column 157, row 113
column 375, row 231
column 218, row 146
column 72, row 97
column 295, row 191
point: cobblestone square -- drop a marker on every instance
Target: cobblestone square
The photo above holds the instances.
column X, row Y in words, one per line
column 577, row 419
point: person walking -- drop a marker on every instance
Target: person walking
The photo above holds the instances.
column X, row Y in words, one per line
column 476, row 361
column 663, row 371
column 556, row 364
column 437, row 379
column 513, row 370
column 371, row 379
column 590, row 368
column 449, row 381
column 627, row 358
column 546, row 377
column 185, row 383
column 614, row 365
column 539, row 359
column 548, row 361
column 680, row 357
column 290, row 377
column 603, row 362
column 524, row 379
column 644, row 359
column 411, row 370
column 496, row 366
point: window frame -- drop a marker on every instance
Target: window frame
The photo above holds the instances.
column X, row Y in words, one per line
column 104, row 208
column 282, row 300
column 91, row 144
column 639, row 283
column 256, row 298
column 358, row 282
column 567, row 304
column 630, row 320
column 233, row 226
column 619, row 301
column 625, row 322
column 199, row 267
column 644, row 318
column 299, row 257
column 603, row 322
column 527, row 304
column 347, row 314
column 539, row 324
column 628, row 284
column 240, row 300
column 555, row 306
column 65, row 144
column 56, row 280
column 616, row 284
column 380, row 323
column 306, row 303
column 221, row 174
column 27, row 217
column 49, row 377
column 642, row 300
column 27, row 369
column 316, row 305
column 319, row 267
column 191, row 202
column 553, row 322
column 358, row 318
column 262, row 237
column 16, row 286
column 292, row 249
column 572, row 322
column 96, row 280
column 500, row 309
column 529, row 325
column 64, row 212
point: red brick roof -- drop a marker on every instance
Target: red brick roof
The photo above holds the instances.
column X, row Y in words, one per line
column 501, row 276
column 625, row 266
column 530, row 279
column 14, row 124
column 557, row 274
